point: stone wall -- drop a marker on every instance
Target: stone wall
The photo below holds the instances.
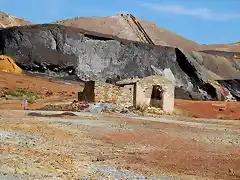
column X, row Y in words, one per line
column 104, row 92
column 144, row 89
column 127, row 95
column 88, row 92
column 136, row 94
column 168, row 99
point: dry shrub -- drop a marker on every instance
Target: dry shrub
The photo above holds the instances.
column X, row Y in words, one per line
column 142, row 108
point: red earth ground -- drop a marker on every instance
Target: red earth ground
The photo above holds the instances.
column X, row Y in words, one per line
column 190, row 152
column 67, row 92
column 51, row 91
column 210, row 109
column 209, row 151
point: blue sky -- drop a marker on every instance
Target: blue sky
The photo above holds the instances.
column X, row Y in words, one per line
column 203, row 21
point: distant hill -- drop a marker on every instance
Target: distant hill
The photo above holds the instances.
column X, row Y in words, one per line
column 7, row 20
column 233, row 47
column 128, row 26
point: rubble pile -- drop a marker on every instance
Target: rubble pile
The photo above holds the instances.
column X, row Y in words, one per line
column 101, row 107
column 155, row 111
column 78, row 106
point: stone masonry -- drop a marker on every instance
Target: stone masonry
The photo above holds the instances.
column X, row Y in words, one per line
column 104, row 92
column 154, row 91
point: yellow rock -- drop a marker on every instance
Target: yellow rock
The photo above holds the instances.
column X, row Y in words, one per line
column 8, row 65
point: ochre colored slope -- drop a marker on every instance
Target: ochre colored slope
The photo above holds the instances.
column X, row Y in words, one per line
column 8, row 65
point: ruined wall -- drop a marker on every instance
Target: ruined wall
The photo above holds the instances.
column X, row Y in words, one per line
column 144, row 91
column 168, row 99
column 105, row 92
column 127, row 95
column 88, row 92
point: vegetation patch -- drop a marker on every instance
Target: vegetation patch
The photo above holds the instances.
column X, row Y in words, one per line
column 19, row 94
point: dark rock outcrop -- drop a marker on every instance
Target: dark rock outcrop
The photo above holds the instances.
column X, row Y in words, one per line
column 233, row 86
column 66, row 51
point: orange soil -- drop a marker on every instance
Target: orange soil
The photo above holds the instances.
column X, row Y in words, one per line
column 162, row 147
column 60, row 91
column 210, row 109
column 68, row 92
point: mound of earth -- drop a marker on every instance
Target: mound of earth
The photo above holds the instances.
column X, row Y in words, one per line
column 8, row 65
column 7, row 20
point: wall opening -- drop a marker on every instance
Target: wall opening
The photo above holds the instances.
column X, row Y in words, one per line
column 134, row 95
column 156, row 96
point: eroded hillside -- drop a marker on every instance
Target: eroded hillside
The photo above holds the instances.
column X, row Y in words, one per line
column 7, row 20
column 127, row 26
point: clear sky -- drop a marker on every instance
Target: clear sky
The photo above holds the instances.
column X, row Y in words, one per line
column 203, row 21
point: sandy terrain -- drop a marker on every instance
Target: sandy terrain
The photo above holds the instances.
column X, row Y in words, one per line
column 93, row 146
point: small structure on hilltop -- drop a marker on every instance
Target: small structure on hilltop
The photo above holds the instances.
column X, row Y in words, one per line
column 8, row 65
column 151, row 91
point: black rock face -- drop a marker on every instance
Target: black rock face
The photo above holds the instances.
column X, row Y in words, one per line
column 63, row 51
column 233, row 86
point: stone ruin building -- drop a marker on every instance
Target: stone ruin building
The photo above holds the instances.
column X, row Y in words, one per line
column 151, row 91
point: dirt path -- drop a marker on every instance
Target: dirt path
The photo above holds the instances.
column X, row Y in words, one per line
column 93, row 146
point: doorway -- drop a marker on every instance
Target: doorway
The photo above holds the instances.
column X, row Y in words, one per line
column 156, row 96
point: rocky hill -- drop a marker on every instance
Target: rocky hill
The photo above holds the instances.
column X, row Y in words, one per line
column 7, row 20
column 119, row 47
column 58, row 50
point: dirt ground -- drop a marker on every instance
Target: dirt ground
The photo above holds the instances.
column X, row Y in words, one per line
column 67, row 92
column 209, row 109
column 60, row 91
column 114, row 147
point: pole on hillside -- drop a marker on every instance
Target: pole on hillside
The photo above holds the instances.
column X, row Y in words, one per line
column 24, row 102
